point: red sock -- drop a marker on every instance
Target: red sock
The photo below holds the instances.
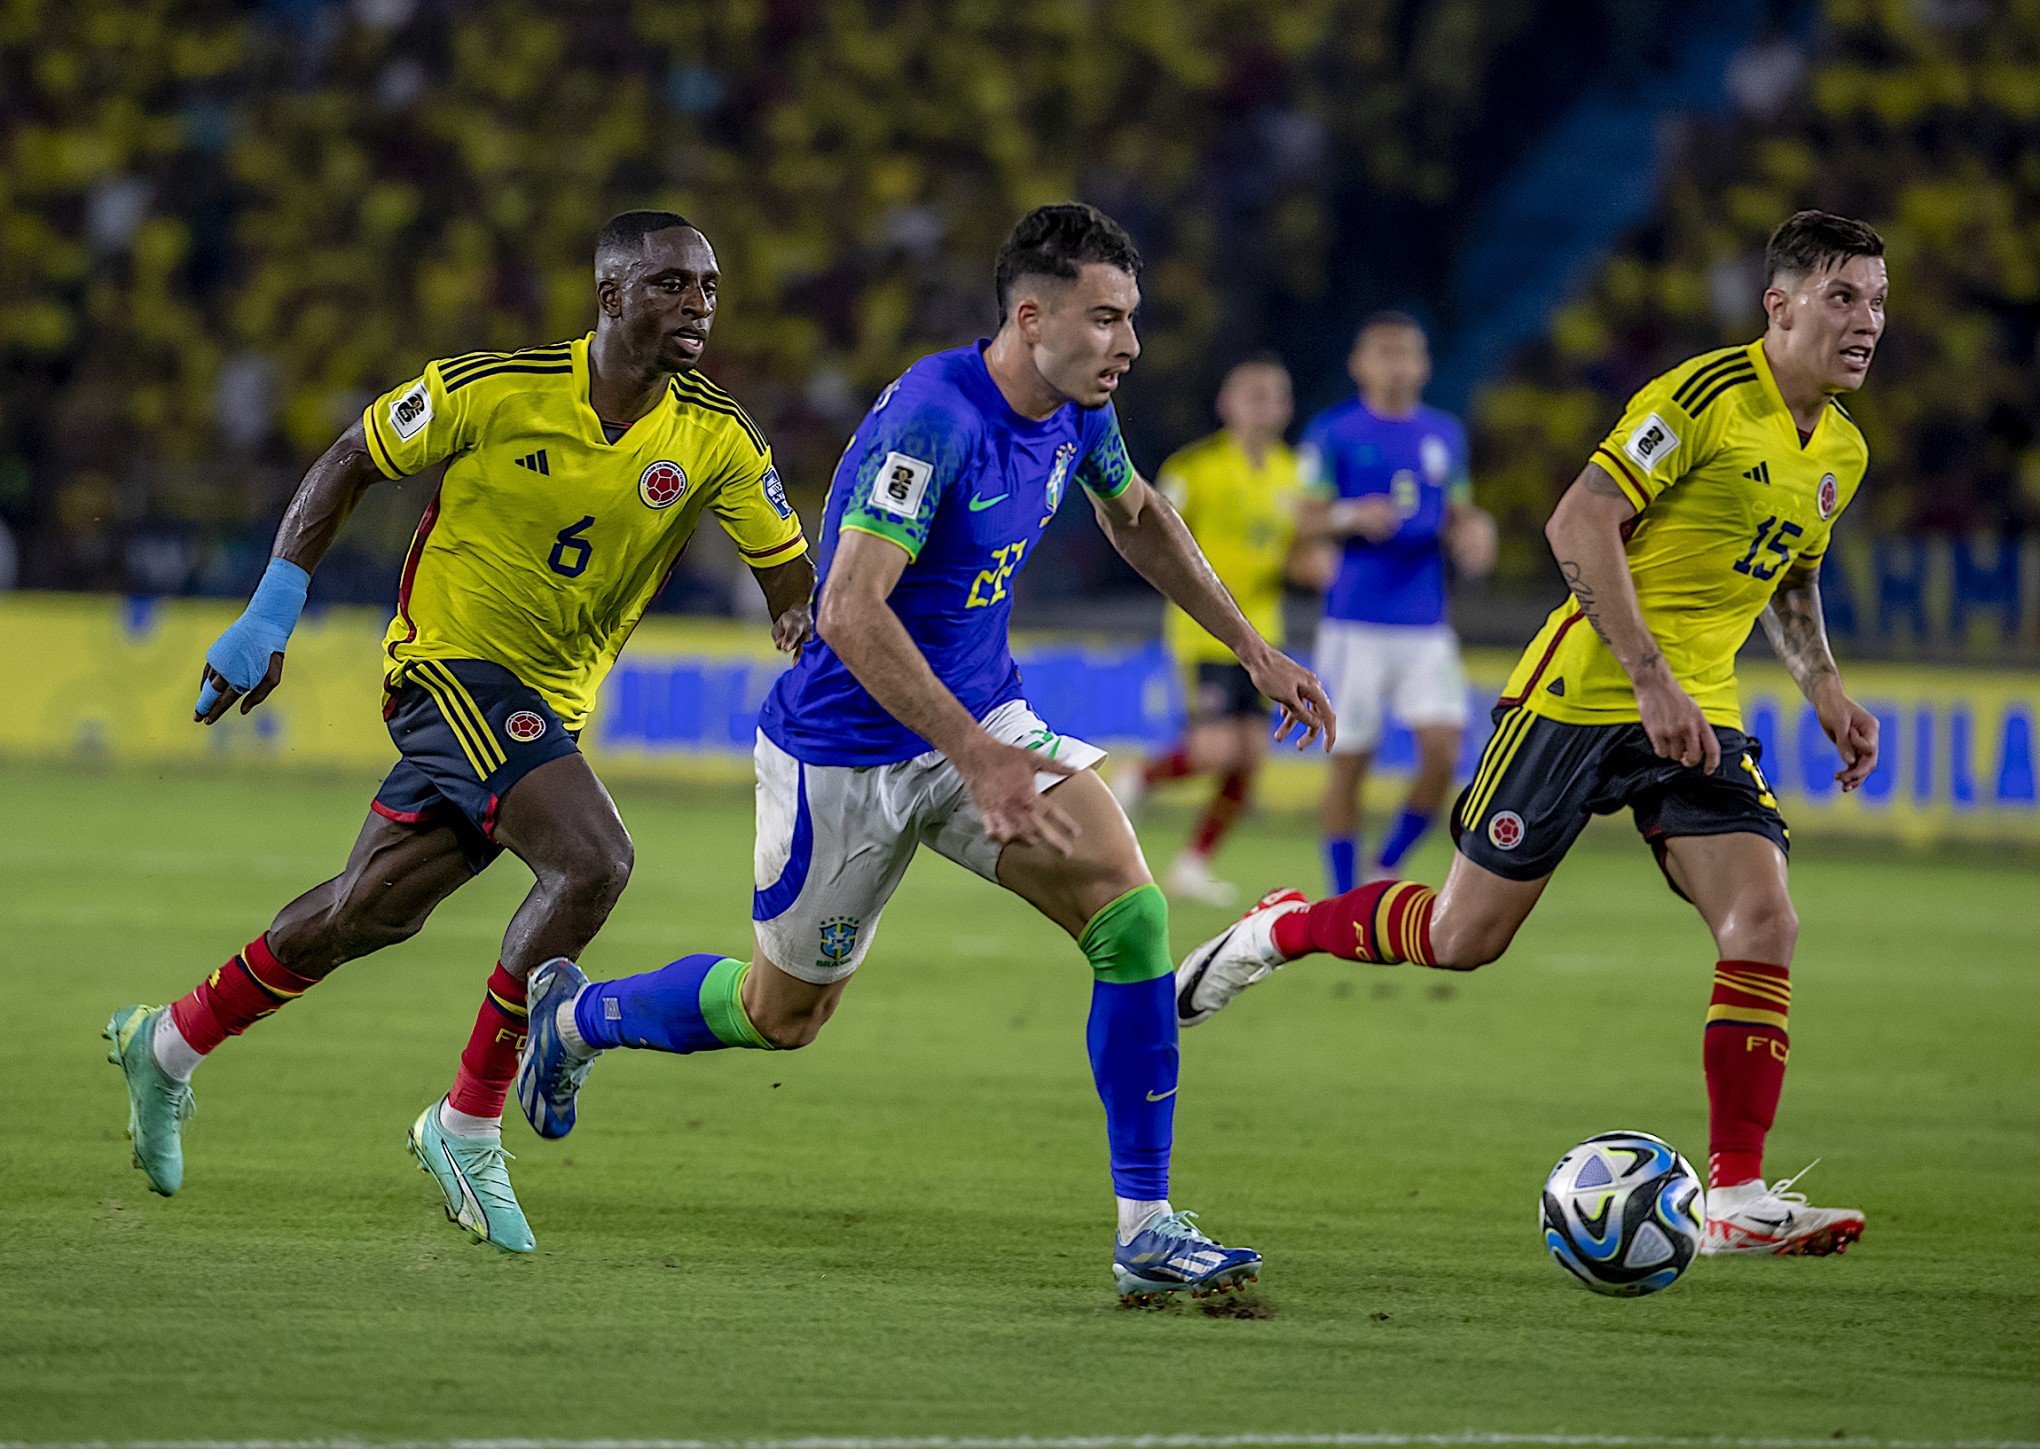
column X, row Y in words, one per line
column 1745, row 1052
column 247, row 988
column 1219, row 815
column 1387, row 923
column 1175, row 765
column 489, row 1064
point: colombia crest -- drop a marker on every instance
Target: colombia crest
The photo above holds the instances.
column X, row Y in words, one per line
column 662, row 484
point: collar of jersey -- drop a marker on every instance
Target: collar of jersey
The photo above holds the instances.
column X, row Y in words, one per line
column 584, row 404
column 1776, row 400
column 989, row 395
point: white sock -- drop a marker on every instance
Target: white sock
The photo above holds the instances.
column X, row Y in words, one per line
column 177, row 1057
column 564, row 1020
column 461, row 1124
column 1134, row 1214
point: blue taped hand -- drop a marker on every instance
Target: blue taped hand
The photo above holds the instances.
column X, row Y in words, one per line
column 238, row 661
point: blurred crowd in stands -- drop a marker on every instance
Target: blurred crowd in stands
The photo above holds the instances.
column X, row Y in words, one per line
column 223, row 228
column 1921, row 116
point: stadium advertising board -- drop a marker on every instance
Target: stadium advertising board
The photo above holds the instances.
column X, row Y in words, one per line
column 112, row 682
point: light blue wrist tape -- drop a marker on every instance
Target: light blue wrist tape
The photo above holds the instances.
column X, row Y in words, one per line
column 280, row 597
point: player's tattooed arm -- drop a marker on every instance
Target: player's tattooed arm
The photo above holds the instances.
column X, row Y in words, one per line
column 1151, row 535
column 1798, row 632
column 1586, row 533
column 331, row 488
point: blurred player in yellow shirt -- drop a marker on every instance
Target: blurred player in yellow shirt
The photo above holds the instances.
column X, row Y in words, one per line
column 1237, row 489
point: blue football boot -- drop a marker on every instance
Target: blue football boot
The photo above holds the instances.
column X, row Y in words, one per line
column 548, row 1074
column 1170, row 1255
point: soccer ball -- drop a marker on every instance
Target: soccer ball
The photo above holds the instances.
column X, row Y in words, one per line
column 1623, row 1213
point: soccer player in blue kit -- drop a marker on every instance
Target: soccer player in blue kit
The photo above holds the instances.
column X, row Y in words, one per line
column 1385, row 477
column 908, row 724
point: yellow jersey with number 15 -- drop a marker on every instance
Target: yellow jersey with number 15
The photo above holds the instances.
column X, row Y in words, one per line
column 1241, row 512
column 1729, row 498
column 546, row 542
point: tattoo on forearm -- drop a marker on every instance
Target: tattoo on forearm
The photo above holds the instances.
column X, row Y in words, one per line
column 1798, row 634
column 1584, row 592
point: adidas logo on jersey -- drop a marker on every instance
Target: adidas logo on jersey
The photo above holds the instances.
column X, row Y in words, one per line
column 1759, row 474
column 535, row 462
column 1557, row 687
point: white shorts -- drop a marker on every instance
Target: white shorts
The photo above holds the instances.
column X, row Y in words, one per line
column 834, row 840
column 1371, row 670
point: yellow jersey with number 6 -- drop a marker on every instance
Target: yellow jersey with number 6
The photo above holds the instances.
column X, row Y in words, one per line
column 1729, row 498
column 546, row 542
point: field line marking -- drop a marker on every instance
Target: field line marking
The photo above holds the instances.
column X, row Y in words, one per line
column 1464, row 1440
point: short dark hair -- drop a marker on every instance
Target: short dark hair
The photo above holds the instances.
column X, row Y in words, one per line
column 627, row 230
column 1388, row 317
column 1057, row 241
column 1812, row 241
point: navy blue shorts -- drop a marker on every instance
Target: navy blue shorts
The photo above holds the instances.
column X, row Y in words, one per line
column 468, row 730
column 1540, row 780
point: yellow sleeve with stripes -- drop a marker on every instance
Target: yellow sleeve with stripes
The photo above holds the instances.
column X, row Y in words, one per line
column 1671, row 426
column 751, row 504
column 421, row 423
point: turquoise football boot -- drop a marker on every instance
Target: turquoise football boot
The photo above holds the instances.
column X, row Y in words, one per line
column 470, row 1172
column 157, row 1105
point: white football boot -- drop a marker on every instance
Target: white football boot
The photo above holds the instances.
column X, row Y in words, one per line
column 1775, row 1222
column 1243, row 953
column 1190, row 879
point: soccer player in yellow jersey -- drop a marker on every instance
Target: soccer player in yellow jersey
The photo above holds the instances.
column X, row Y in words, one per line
column 575, row 474
column 1708, row 507
column 1237, row 491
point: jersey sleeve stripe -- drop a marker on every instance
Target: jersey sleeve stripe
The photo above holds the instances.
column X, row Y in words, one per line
column 448, row 371
column 378, row 450
column 1628, row 481
column 760, row 555
column 879, row 528
column 1706, row 373
column 1734, row 379
column 506, row 367
column 688, row 389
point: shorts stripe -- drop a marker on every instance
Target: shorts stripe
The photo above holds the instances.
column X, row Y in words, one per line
column 469, row 725
column 456, row 723
column 477, row 718
column 1495, row 763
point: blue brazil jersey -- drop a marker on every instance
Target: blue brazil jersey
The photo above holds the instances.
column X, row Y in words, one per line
column 1419, row 462
column 944, row 468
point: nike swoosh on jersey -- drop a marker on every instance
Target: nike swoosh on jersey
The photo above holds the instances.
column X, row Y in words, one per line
column 1161, row 1096
column 978, row 503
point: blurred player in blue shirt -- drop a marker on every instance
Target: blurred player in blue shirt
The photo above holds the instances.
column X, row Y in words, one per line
column 1385, row 477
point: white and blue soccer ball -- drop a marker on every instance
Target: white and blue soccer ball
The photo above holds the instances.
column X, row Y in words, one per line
column 1623, row 1213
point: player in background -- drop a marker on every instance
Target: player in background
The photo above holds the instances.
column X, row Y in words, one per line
column 1237, row 493
column 576, row 474
column 1386, row 478
column 907, row 723
column 1707, row 508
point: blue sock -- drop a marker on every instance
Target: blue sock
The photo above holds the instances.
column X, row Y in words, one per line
column 694, row 1005
column 1132, row 1037
column 1341, row 852
column 1409, row 829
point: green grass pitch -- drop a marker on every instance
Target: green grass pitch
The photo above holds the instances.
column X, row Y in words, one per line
column 903, row 1230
